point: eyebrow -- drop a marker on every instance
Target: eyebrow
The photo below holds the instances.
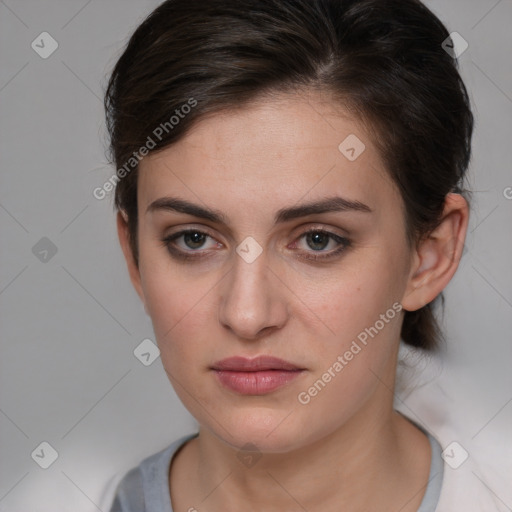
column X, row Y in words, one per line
column 330, row 204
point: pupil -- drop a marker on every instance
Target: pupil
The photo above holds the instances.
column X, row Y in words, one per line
column 194, row 238
column 316, row 239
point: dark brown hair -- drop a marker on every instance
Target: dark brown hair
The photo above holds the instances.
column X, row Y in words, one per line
column 383, row 59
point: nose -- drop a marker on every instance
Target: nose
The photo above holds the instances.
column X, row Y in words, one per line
column 253, row 302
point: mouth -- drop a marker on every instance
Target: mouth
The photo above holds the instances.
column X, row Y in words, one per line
column 257, row 376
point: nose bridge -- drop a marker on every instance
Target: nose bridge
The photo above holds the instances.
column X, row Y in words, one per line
column 250, row 302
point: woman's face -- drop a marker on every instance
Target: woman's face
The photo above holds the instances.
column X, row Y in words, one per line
column 250, row 281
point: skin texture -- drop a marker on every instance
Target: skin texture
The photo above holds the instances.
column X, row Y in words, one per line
column 248, row 164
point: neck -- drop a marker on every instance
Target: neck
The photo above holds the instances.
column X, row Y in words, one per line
column 377, row 450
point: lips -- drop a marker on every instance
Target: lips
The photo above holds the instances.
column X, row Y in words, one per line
column 257, row 376
column 241, row 364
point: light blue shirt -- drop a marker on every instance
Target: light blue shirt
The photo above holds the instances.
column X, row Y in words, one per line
column 145, row 488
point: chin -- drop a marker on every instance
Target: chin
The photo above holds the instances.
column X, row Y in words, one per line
column 270, row 431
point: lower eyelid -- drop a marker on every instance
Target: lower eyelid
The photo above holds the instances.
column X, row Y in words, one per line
column 318, row 256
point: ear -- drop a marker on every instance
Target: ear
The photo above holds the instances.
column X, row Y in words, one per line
column 124, row 240
column 437, row 256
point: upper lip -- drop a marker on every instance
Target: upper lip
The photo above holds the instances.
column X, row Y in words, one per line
column 260, row 363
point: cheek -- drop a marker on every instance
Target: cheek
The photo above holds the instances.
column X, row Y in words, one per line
column 354, row 297
column 180, row 308
column 361, row 308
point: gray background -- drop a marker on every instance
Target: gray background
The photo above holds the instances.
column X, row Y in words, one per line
column 70, row 323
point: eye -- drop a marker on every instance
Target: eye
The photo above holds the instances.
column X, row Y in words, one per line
column 193, row 244
column 191, row 241
column 317, row 241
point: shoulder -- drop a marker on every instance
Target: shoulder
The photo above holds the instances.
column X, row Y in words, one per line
column 475, row 470
column 145, row 488
column 458, row 480
column 469, row 487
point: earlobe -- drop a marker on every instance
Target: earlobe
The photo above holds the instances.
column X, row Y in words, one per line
column 124, row 240
column 437, row 256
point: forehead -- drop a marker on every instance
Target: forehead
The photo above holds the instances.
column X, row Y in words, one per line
column 272, row 152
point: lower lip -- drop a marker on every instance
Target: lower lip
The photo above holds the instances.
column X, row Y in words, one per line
column 256, row 383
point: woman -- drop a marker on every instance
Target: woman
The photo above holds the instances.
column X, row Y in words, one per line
column 290, row 208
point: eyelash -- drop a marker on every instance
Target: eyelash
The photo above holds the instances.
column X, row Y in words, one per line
column 167, row 242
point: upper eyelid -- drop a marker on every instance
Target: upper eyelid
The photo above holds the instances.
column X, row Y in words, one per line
column 302, row 231
column 314, row 229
